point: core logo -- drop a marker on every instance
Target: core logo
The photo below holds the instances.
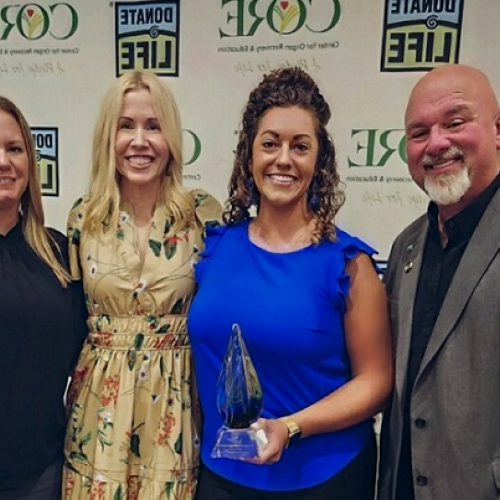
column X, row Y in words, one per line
column 47, row 157
column 421, row 34
column 32, row 21
column 375, row 147
column 147, row 37
column 192, row 147
column 286, row 13
column 191, row 153
column 244, row 17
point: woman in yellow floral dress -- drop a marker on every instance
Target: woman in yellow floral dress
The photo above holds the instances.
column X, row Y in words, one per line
column 133, row 241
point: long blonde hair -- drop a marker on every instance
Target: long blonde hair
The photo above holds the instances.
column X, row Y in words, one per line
column 104, row 193
column 36, row 235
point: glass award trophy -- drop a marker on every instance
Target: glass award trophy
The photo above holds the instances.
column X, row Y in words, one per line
column 239, row 402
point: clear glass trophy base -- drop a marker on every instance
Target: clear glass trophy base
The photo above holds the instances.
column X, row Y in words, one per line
column 238, row 443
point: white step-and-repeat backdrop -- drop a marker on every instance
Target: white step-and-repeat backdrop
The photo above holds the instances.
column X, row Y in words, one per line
column 57, row 59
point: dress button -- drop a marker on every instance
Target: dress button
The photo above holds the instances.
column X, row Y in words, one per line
column 420, row 423
column 421, row 480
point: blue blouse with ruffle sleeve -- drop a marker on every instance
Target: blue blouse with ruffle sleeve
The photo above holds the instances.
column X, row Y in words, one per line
column 290, row 307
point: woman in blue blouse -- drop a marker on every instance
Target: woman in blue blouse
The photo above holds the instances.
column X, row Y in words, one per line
column 311, row 308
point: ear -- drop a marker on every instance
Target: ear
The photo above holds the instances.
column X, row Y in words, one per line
column 497, row 130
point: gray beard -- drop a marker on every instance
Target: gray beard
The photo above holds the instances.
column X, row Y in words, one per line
column 447, row 189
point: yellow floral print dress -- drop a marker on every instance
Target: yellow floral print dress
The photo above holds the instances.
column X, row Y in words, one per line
column 131, row 431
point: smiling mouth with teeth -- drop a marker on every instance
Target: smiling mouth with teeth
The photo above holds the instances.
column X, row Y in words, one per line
column 278, row 177
column 439, row 165
column 139, row 160
column 443, row 160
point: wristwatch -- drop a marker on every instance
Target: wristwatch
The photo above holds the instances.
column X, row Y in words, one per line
column 294, row 431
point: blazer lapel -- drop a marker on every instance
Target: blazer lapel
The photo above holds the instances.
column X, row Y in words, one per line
column 482, row 248
column 410, row 271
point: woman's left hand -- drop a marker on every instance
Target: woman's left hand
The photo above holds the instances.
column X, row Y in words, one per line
column 276, row 432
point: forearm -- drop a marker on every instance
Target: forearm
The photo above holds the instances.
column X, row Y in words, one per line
column 361, row 398
column 354, row 402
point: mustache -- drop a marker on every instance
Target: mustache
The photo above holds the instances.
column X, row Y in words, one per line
column 454, row 152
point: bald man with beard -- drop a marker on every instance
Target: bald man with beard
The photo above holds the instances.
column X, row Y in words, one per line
column 441, row 434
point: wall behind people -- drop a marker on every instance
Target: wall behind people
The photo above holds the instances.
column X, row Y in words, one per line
column 58, row 57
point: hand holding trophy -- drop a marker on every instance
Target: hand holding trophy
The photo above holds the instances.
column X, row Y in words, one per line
column 239, row 402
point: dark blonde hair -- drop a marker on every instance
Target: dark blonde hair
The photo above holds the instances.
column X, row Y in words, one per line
column 284, row 88
column 36, row 235
column 104, row 193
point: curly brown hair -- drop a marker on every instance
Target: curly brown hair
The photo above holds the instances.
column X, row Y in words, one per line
column 287, row 87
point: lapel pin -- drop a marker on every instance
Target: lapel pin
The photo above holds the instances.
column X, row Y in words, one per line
column 408, row 267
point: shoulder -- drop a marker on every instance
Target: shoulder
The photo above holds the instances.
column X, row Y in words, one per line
column 350, row 246
column 57, row 236
column 207, row 209
column 409, row 233
column 78, row 208
column 59, row 244
column 203, row 199
column 404, row 241
column 75, row 219
column 338, row 259
column 221, row 243
column 217, row 233
column 415, row 227
column 80, row 203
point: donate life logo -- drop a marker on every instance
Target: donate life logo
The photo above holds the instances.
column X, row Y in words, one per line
column 243, row 18
column 33, row 22
column 421, row 34
column 47, row 157
column 147, row 37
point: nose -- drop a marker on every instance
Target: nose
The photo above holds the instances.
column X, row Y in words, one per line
column 139, row 138
column 4, row 159
column 438, row 141
column 284, row 158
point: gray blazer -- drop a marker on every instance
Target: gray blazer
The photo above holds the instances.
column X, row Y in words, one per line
column 455, row 401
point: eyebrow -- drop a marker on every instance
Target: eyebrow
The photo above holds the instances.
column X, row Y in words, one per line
column 276, row 134
column 149, row 119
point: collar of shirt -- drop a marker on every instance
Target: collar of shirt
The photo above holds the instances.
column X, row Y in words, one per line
column 461, row 226
column 15, row 234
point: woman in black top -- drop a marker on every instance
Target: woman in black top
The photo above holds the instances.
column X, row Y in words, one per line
column 41, row 324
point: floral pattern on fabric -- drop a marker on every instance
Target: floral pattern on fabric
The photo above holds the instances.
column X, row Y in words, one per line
column 131, row 431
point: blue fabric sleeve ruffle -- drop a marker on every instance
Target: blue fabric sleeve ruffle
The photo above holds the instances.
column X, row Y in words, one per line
column 213, row 235
column 349, row 247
